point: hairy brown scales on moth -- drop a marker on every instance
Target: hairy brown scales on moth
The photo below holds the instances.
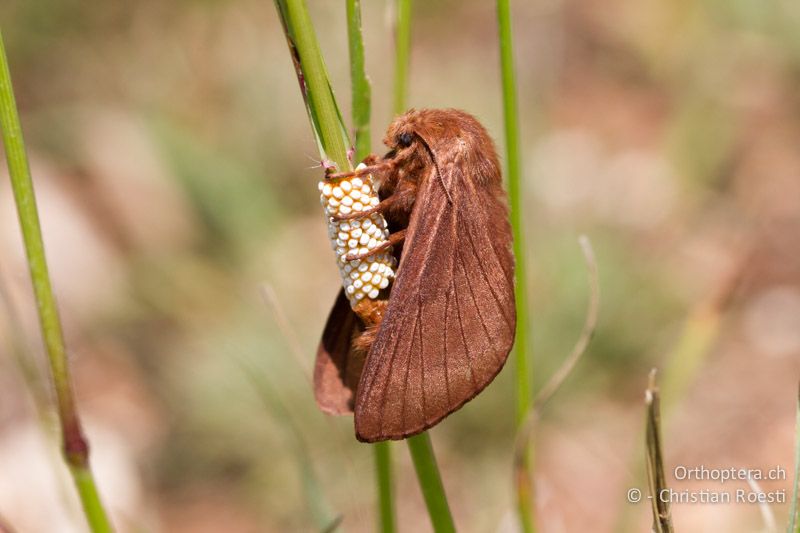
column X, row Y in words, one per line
column 448, row 326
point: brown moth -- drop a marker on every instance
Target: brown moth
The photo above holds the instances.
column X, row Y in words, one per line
column 448, row 326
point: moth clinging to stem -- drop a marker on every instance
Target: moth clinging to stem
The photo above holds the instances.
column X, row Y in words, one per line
column 403, row 357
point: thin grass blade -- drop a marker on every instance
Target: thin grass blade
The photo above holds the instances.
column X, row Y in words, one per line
column 318, row 507
column 656, row 479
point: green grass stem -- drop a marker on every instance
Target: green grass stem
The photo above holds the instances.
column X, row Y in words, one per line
column 513, row 174
column 382, row 452
column 402, row 35
column 75, row 447
column 326, row 119
column 361, row 92
column 431, row 483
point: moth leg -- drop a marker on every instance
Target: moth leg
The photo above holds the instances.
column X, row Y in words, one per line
column 377, row 166
column 394, row 238
column 382, row 206
column 371, row 160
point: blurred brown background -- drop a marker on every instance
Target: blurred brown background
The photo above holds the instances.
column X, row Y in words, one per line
column 172, row 159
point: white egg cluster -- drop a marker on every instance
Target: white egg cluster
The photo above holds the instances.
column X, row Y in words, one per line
column 360, row 277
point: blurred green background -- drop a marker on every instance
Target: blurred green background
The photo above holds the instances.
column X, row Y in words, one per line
column 174, row 167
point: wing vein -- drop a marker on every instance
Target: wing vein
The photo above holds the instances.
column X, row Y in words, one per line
column 405, row 382
column 475, row 301
column 446, row 311
column 486, row 279
column 463, row 337
column 421, row 358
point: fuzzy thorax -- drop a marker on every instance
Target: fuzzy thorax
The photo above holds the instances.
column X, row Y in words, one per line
column 361, row 278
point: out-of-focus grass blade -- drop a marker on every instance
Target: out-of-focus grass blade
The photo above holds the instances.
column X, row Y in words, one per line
column 333, row 525
column 656, row 480
column 323, row 517
column 764, row 508
column 522, row 473
column 27, row 364
column 700, row 333
column 794, row 525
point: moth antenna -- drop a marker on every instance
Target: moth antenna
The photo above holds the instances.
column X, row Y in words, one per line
column 317, row 162
column 441, row 179
column 328, row 165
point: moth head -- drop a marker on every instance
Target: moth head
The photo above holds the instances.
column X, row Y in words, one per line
column 401, row 138
column 420, row 129
column 402, row 133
